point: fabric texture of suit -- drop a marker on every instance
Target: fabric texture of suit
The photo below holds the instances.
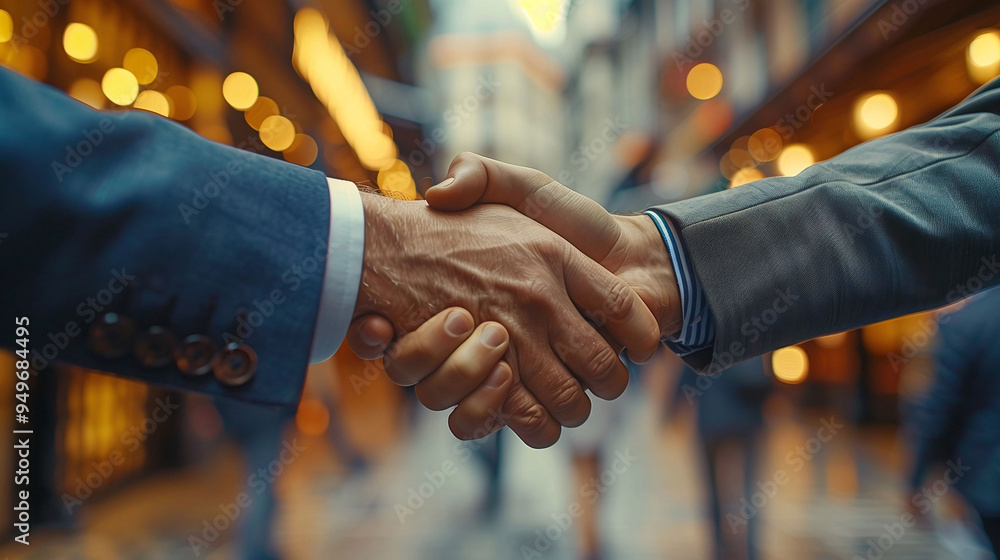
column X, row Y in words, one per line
column 900, row 224
column 198, row 231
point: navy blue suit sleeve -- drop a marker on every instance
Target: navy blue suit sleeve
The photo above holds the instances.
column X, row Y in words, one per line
column 131, row 212
column 897, row 225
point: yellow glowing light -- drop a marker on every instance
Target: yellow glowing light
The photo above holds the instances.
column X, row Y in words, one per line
column 764, row 145
column 6, row 27
column 397, row 179
column 87, row 91
column 704, row 81
column 794, row 159
column 154, row 102
column 875, row 114
column 321, row 61
column 303, row 150
column 983, row 56
column 142, row 64
column 263, row 108
column 545, row 16
column 312, row 417
column 240, row 90
column 277, row 133
column 791, row 365
column 746, row 175
column 183, row 101
column 120, row 86
column 80, row 42
column 832, row 340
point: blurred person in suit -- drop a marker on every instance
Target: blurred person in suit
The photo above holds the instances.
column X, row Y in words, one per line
column 734, row 274
column 955, row 424
column 729, row 422
column 134, row 246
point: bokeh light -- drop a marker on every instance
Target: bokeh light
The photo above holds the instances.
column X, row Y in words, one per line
column 303, row 150
column 6, row 26
column 80, row 42
column 791, row 365
column 746, row 175
column 983, row 56
column 277, row 133
column 142, row 64
column 263, row 108
column 875, row 114
column 765, row 145
column 88, row 91
column 154, row 102
column 398, row 179
column 794, row 159
column 704, row 81
column 184, row 102
column 120, row 86
column 312, row 418
column 240, row 90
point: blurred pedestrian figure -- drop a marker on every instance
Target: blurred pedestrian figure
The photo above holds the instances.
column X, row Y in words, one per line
column 257, row 431
column 730, row 421
column 956, row 423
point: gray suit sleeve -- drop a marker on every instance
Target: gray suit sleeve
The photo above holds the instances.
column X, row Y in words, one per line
column 897, row 225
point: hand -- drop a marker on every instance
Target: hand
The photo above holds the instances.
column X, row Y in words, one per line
column 503, row 267
column 628, row 246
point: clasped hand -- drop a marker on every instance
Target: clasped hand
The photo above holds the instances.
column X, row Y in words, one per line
column 509, row 296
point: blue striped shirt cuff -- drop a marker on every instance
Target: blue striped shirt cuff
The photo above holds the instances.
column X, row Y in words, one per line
column 698, row 330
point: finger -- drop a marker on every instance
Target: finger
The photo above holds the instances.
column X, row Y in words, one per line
column 422, row 351
column 474, row 179
column 369, row 336
column 586, row 353
column 465, row 369
column 478, row 415
column 554, row 386
column 611, row 303
column 527, row 418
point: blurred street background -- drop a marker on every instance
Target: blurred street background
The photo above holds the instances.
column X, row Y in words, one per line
column 818, row 451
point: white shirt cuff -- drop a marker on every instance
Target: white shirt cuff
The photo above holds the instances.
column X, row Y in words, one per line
column 345, row 255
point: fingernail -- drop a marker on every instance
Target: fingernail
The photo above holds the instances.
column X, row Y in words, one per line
column 457, row 323
column 447, row 182
column 497, row 377
column 492, row 336
column 370, row 337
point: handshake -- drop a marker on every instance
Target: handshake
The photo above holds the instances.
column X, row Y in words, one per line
column 516, row 296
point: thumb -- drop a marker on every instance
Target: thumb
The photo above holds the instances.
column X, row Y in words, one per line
column 369, row 336
column 474, row 179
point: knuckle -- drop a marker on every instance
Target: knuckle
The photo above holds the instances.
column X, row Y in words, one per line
column 532, row 419
column 468, row 157
column 565, row 399
column 620, row 301
column 603, row 366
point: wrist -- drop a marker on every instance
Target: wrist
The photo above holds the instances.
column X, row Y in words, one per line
column 657, row 282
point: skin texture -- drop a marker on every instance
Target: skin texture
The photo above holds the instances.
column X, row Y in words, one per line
column 628, row 246
column 503, row 268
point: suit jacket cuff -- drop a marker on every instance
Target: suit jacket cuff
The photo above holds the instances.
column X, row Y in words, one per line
column 344, row 257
